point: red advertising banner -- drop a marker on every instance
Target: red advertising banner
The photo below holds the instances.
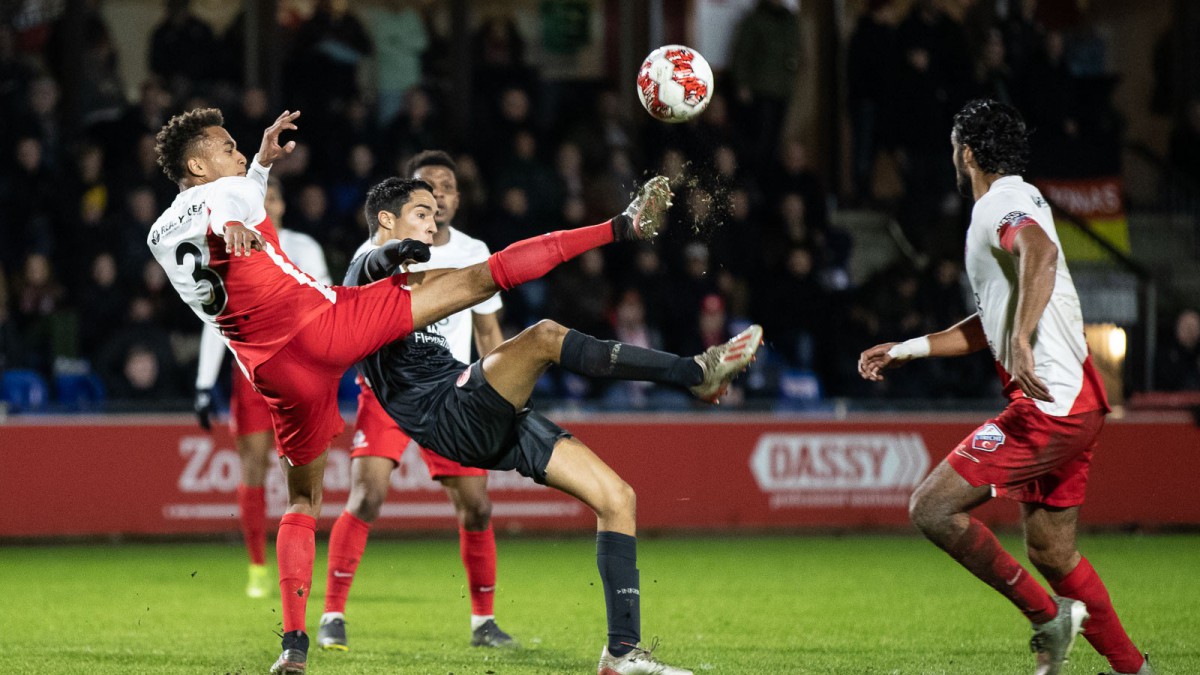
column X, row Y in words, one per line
column 68, row 476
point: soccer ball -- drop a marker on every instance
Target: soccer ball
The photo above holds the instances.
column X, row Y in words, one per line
column 675, row 83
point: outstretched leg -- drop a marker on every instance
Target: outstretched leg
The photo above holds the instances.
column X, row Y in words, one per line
column 1050, row 542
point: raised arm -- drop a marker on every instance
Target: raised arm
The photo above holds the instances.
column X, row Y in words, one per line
column 488, row 335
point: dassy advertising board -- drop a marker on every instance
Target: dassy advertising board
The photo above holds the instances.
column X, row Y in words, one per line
column 162, row 476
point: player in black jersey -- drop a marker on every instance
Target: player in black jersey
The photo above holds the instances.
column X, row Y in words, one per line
column 477, row 414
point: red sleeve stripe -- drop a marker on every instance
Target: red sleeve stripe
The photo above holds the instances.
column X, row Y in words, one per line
column 1009, row 230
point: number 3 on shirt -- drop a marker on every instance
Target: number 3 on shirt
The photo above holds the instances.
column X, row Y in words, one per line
column 201, row 273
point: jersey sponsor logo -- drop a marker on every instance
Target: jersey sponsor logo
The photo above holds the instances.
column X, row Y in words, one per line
column 867, row 470
column 425, row 337
column 988, row 438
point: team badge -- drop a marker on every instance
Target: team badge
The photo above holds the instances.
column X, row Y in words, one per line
column 988, row 438
column 360, row 440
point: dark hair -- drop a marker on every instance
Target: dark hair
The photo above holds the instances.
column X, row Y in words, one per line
column 429, row 158
column 390, row 194
column 996, row 134
column 178, row 136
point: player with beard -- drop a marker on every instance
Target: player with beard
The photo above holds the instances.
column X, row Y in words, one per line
column 1038, row 450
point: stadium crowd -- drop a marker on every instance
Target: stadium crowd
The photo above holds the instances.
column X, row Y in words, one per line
column 751, row 237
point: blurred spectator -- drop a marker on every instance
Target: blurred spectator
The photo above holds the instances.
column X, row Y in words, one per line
column 498, row 59
column 145, row 117
column 1047, row 97
column 688, row 291
column 711, row 327
column 142, row 170
column 793, row 174
column 85, row 205
column 48, row 331
column 1178, row 367
column 137, row 363
column 246, row 121
column 99, row 301
column 183, row 49
column 400, row 39
column 797, row 310
column 330, row 46
column 416, row 128
column 511, row 113
column 133, row 226
column 580, row 295
column 630, row 327
column 524, row 169
column 40, row 119
column 312, row 217
column 1023, row 36
column 870, row 77
column 993, row 74
column 764, row 63
column 28, row 202
column 101, row 93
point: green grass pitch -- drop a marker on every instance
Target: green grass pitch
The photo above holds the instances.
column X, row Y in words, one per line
column 804, row 604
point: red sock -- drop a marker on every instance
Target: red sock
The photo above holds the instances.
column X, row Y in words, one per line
column 479, row 558
column 295, row 546
column 347, row 542
column 1104, row 629
column 978, row 550
column 532, row 258
column 252, row 511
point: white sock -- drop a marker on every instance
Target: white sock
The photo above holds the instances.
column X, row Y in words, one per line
column 330, row 616
column 477, row 621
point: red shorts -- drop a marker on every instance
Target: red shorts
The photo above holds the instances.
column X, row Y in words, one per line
column 376, row 434
column 248, row 411
column 300, row 382
column 1029, row 456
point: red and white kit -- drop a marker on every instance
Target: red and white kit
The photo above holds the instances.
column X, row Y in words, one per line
column 291, row 334
column 376, row 434
column 1035, row 451
column 248, row 411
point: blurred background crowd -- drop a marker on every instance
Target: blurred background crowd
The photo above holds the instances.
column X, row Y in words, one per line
column 757, row 233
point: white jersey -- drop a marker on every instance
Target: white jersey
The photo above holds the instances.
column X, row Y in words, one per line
column 462, row 250
column 1060, row 354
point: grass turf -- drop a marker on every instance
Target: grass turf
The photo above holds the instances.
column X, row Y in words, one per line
column 856, row 604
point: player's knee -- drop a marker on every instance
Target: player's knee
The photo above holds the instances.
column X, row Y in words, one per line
column 366, row 503
column 548, row 334
column 475, row 515
column 1053, row 561
column 923, row 512
column 622, row 500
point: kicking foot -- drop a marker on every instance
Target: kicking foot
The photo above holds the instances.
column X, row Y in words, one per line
column 646, row 214
column 722, row 363
column 1146, row 669
column 1052, row 640
column 294, row 659
column 331, row 636
column 258, row 585
column 637, row 662
column 490, row 635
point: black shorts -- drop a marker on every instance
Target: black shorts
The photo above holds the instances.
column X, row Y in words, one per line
column 475, row 426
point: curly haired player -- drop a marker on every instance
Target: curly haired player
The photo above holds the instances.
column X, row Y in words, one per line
column 1038, row 450
column 293, row 336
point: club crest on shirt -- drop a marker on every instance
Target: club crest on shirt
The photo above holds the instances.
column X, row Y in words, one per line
column 988, row 438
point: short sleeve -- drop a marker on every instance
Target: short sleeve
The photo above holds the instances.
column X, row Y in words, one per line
column 489, row 306
column 236, row 200
column 1005, row 232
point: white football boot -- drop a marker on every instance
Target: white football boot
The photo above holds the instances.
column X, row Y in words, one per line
column 1052, row 641
column 637, row 662
column 721, row 363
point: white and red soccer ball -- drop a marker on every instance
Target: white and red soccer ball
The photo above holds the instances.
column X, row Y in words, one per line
column 675, row 83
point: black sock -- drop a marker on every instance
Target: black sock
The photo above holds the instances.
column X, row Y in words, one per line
column 585, row 355
column 616, row 557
